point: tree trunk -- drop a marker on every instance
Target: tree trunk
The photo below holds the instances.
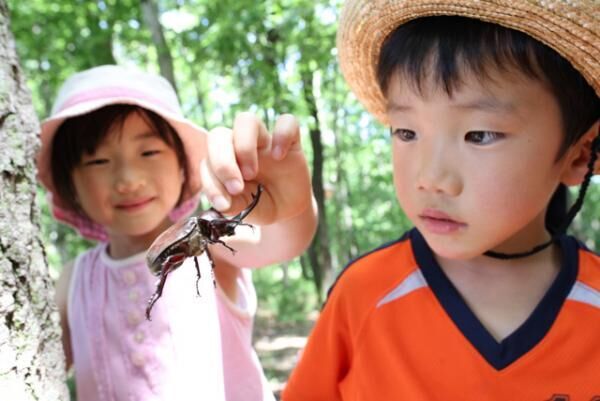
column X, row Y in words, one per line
column 31, row 359
column 318, row 252
column 165, row 61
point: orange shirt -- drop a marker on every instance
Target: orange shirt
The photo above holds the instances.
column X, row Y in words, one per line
column 395, row 328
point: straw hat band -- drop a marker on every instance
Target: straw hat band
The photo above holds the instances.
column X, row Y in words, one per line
column 104, row 93
column 570, row 27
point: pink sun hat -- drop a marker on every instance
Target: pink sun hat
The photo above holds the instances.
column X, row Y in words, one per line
column 105, row 85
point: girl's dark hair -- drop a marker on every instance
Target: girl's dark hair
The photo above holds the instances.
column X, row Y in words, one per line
column 450, row 46
column 83, row 134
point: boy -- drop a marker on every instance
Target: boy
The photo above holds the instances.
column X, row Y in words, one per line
column 484, row 299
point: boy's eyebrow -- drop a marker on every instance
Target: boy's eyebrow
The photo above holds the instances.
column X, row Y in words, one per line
column 483, row 104
column 488, row 104
column 393, row 106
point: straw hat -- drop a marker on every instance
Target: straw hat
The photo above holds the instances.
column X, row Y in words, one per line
column 97, row 87
column 570, row 27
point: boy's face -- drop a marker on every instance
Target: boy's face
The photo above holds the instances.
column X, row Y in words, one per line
column 474, row 172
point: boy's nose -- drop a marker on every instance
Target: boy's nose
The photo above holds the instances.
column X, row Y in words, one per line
column 437, row 175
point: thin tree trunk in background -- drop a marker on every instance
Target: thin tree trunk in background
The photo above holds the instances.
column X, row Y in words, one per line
column 150, row 14
column 350, row 248
column 31, row 359
column 342, row 200
column 318, row 252
column 200, row 98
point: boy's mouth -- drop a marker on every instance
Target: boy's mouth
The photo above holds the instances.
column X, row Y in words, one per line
column 439, row 222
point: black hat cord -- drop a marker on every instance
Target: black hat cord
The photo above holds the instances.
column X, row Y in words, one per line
column 570, row 214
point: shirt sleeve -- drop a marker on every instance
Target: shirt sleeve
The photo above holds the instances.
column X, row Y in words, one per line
column 326, row 359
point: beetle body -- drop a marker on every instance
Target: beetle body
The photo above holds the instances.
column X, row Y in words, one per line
column 190, row 238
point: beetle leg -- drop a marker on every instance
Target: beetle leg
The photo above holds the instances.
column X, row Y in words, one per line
column 247, row 210
column 218, row 241
column 247, row 225
column 198, row 275
column 164, row 272
column 212, row 266
column 158, row 293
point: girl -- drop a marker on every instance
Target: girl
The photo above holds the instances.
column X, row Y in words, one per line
column 121, row 164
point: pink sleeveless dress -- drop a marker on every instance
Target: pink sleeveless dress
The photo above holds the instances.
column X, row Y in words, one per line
column 119, row 355
column 244, row 377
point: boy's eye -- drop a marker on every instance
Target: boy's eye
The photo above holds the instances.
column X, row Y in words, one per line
column 404, row 135
column 483, row 137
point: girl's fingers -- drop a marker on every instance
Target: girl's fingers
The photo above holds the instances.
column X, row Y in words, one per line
column 219, row 197
column 222, row 163
column 286, row 136
column 214, row 190
column 249, row 137
column 233, row 154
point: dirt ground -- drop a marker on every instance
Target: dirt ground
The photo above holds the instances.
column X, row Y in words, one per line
column 277, row 345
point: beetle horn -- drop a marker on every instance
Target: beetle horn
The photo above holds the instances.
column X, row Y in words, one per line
column 251, row 206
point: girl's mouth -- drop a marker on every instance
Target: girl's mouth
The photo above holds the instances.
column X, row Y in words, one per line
column 438, row 222
column 133, row 204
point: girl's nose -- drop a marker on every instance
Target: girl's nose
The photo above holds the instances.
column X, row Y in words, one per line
column 128, row 180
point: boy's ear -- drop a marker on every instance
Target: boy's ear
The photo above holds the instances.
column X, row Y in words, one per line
column 579, row 157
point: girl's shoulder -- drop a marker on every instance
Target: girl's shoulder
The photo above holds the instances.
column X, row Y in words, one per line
column 71, row 270
column 90, row 255
column 63, row 284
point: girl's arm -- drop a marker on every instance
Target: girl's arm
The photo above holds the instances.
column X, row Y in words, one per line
column 262, row 246
column 62, row 298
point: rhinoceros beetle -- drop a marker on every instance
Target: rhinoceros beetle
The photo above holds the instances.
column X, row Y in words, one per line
column 191, row 237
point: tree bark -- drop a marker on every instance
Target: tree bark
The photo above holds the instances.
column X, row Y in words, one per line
column 31, row 359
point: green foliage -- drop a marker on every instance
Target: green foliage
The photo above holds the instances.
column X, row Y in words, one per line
column 587, row 223
column 286, row 295
column 62, row 243
column 57, row 38
column 236, row 55
column 71, row 386
column 231, row 56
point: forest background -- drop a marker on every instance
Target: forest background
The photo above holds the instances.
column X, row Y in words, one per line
column 227, row 56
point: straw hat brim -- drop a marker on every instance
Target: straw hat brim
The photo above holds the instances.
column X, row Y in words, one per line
column 570, row 27
column 192, row 136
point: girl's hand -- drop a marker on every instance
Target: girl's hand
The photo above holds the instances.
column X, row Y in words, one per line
column 240, row 158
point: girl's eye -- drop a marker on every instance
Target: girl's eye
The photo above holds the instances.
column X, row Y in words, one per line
column 404, row 135
column 483, row 137
column 95, row 162
column 148, row 153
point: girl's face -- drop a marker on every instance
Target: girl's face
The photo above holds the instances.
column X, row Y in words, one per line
column 130, row 183
column 475, row 172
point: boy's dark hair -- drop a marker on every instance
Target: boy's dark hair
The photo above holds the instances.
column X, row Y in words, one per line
column 449, row 46
column 83, row 134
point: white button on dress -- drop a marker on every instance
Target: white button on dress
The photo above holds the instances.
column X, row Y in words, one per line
column 129, row 277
